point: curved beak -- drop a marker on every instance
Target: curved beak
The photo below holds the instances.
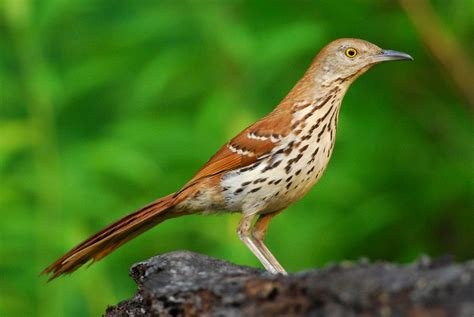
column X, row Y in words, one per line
column 389, row 55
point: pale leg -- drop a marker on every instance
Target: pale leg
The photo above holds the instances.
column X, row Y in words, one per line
column 258, row 248
column 259, row 231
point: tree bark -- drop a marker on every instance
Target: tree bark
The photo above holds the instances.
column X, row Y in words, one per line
column 189, row 284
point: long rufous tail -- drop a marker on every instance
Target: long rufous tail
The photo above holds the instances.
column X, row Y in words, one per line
column 113, row 236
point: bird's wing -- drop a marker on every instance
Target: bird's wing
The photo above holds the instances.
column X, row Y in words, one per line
column 250, row 145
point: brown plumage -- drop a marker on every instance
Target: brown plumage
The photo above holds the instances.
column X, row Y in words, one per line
column 265, row 168
column 111, row 237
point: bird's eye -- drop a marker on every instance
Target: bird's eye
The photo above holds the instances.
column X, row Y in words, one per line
column 351, row 52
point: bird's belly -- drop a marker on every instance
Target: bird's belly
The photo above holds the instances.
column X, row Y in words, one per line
column 274, row 183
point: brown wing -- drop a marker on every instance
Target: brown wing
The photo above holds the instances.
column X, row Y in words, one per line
column 248, row 146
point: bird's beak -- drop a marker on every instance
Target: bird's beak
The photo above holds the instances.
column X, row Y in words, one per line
column 389, row 55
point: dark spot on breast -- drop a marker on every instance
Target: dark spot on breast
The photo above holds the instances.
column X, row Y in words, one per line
column 245, row 183
column 271, row 166
column 289, row 185
column 296, row 159
column 332, row 116
column 238, row 191
column 276, row 164
column 289, row 179
column 324, row 102
column 304, row 148
column 310, row 171
column 259, row 180
column 298, row 172
column 308, row 115
column 321, row 132
column 277, row 181
column 289, row 148
column 254, row 190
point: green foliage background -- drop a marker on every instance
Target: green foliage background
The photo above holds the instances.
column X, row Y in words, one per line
column 107, row 105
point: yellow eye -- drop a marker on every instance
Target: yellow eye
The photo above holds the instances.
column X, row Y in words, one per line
column 351, row 52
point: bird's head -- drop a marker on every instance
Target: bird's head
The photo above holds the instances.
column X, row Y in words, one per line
column 346, row 59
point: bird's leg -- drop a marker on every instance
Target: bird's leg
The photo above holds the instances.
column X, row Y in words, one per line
column 245, row 232
column 258, row 233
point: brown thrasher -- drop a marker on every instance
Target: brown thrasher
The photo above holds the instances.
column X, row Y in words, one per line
column 264, row 169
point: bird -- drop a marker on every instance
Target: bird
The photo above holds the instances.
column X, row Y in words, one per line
column 262, row 170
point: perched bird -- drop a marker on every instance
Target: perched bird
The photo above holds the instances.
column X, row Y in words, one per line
column 264, row 169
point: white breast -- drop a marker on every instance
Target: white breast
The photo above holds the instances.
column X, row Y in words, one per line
column 285, row 176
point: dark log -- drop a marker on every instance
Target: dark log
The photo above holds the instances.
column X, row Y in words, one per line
column 189, row 284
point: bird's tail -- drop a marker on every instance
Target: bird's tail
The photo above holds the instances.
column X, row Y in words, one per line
column 113, row 236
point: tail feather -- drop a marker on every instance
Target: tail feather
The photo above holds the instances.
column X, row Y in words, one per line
column 113, row 236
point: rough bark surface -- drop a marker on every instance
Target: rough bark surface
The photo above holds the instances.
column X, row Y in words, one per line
column 189, row 284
